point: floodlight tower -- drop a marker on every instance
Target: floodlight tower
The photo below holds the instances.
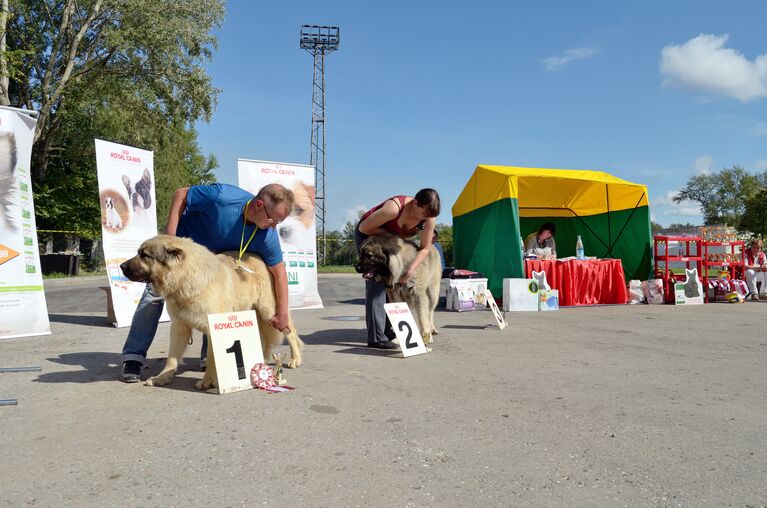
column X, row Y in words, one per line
column 319, row 41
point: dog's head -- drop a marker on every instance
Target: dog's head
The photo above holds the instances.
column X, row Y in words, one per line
column 109, row 203
column 154, row 259
column 374, row 259
column 176, row 267
column 297, row 227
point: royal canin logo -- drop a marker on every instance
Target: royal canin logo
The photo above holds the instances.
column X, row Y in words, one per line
column 233, row 317
column 125, row 156
column 248, row 323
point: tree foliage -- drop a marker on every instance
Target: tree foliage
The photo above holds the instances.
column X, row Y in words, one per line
column 754, row 218
column 722, row 196
column 128, row 71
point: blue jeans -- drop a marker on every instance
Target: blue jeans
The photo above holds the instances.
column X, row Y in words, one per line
column 143, row 327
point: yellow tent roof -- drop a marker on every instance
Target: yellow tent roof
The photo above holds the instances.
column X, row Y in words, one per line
column 549, row 192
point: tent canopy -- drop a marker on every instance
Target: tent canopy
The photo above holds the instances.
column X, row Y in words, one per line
column 500, row 204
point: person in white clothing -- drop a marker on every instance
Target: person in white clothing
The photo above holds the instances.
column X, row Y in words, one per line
column 756, row 269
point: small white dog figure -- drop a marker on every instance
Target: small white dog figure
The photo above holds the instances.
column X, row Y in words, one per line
column 113, row 218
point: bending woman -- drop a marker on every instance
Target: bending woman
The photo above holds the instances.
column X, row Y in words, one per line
column 403, row 216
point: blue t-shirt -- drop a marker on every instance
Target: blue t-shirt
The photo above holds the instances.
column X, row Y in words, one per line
column 214, row 216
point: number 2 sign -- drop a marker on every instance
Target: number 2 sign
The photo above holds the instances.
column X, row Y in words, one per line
column 236, row 346
column 401, row 319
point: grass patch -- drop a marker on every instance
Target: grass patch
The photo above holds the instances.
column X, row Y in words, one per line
column 83, row 273
column 335, row 269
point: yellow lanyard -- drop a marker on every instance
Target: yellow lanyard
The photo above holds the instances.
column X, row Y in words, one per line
column 242, row 239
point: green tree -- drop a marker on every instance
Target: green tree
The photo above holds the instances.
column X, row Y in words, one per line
column 754, row 218
column 55, row 53
column 655, row 227
column 722, row 196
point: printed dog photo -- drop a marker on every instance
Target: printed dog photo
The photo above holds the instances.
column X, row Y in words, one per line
column 139, row 196
column 7, row 180
column 114, row 211
column 298, row 228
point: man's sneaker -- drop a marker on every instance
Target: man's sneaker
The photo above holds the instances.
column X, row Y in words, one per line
column 754, row 297
column 203, row 364
column 131, row 372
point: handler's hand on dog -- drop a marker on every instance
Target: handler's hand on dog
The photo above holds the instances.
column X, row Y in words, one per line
column 280, row 322
column 406, row 277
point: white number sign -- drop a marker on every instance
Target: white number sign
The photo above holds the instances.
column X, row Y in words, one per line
column 401, row 319
column 499, row 319
column 236, row 346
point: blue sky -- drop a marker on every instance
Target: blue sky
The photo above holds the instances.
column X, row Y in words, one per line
column 420, row 92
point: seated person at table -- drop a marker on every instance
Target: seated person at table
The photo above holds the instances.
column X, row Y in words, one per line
column 756, row 269
column 542, row 244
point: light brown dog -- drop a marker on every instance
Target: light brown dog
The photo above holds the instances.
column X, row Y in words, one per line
column 195, row 282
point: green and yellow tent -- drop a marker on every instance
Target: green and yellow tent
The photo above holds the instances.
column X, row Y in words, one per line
column 502, row 204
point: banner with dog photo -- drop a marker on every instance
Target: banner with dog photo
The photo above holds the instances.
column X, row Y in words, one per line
column 298, row 236
column 128, row 217
column 23, row 311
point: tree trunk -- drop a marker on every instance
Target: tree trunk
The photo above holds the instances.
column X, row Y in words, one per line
column 5, row 99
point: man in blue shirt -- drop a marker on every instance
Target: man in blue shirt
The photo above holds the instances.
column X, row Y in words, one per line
column 222, row 218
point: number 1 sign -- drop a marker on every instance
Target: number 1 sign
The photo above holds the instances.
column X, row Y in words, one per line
column 236, row 346
column 401, row 319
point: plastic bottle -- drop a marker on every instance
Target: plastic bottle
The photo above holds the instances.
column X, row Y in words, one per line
column 579, row 248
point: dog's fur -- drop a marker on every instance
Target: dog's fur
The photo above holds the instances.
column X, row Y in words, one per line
column 298, row 227
column 7, row 179
column 113, row 218
column 195, row 282
column 386, row 258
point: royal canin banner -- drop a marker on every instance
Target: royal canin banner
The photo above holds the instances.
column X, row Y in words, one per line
column 128, row 217
column 298, row 236
column 23, row 311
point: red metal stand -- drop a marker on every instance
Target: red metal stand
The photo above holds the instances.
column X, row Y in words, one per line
column 731, row 259
column 684, row 254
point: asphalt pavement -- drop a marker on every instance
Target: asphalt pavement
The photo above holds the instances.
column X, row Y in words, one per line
column 599, row 406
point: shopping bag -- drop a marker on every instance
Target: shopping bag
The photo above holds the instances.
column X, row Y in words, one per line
column 636, row 292
column 653, row 291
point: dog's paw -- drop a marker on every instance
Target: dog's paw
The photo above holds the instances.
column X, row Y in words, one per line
column 163, row 378
column 294, row 363
column 426, row 337
column 434, row 331
column 205, row 383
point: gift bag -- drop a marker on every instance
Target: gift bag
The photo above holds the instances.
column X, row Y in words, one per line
column 653, row 291
column 636, row 292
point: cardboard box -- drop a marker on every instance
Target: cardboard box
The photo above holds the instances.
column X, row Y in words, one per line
column 464, row 294
column 520, row 295
column 549, row 299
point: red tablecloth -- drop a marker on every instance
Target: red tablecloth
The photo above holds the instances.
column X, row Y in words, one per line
column 587, row 282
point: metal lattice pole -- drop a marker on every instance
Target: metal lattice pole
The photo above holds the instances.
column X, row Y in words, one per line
column 319, row 41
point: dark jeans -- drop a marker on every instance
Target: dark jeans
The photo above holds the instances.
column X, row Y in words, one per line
column 378, row 326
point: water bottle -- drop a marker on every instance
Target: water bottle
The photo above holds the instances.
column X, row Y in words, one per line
column 579, row 248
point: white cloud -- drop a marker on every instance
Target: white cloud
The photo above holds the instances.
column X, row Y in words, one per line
column 761, row 164
column 704, row 165
column 353, row 214
column 703, row 63
column 556, row 63
column 685, row 209
column 665, row 206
